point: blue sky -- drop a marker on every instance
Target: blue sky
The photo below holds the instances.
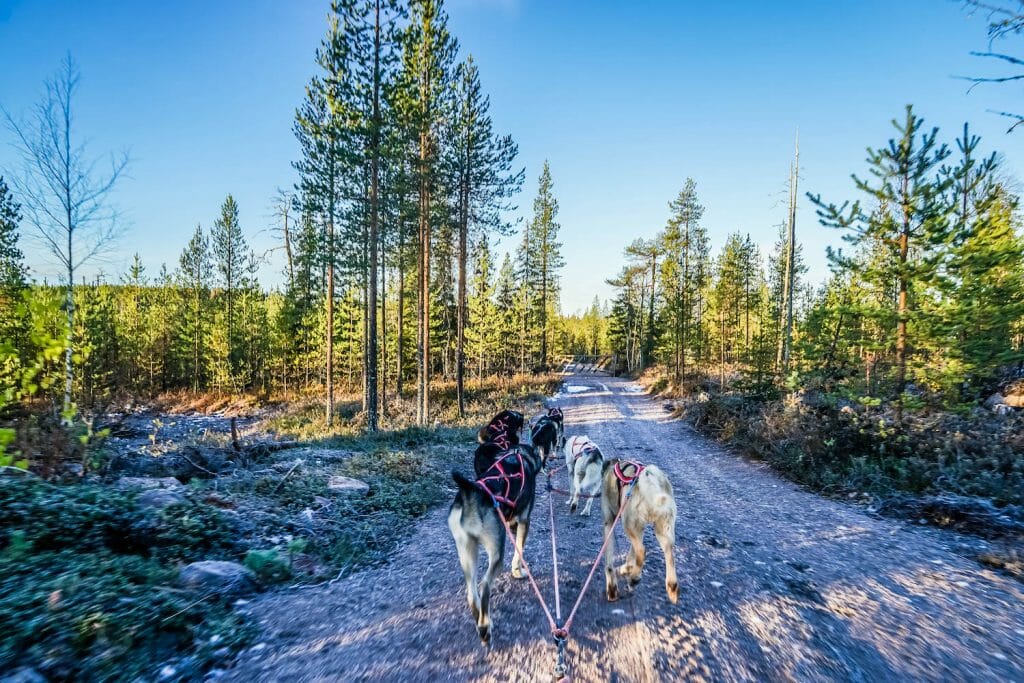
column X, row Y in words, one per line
column 626, row 99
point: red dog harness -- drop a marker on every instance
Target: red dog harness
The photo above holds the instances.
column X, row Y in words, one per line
column 624, row 479
column 579, row 446
column 511, row 484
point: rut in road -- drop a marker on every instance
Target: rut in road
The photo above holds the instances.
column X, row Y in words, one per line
column 776, row 583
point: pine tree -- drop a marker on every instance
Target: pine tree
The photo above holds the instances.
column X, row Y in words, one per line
column 682, row 279
column 541, row 246
column 508, row 308
column 131, row 321
column 645, row 254
column 13, row 276
column 324, row 130
column 482, row 337
column 428, row 54
column 482, row 167
column 981, row 284
column 914, row 217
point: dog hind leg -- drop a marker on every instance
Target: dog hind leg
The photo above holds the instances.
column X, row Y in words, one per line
column 665, row 531
column 468, row 548
column 495, row 547
column 521, row 530
column 611, row 584
column 634, row 528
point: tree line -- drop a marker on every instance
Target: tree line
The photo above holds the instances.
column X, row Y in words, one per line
column 926, row 303
column 390, row 279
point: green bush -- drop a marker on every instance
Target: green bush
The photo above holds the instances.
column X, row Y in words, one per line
column 87, row 581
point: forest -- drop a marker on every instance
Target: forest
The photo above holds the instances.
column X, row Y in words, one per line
column 390, row 281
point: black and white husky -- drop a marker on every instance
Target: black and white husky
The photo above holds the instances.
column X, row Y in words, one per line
column 508, row 488
column 507, row 422
column 584, row 462
column 548, row 434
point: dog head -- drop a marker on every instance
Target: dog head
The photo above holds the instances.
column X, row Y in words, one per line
column 507, row 422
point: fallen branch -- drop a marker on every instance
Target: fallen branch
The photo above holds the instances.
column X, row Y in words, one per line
column 197, row 466
column 298, row 462
column 272, row 446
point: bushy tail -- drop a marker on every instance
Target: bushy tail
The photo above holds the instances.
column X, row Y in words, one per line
column 465, row 485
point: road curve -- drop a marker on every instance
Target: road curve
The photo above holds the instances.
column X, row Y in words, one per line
column 777, row 584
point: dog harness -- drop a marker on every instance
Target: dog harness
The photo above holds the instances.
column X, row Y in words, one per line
column 624, row 479
column 501, row 441
column 499, row 427
column 580, row 445
column 502, row 486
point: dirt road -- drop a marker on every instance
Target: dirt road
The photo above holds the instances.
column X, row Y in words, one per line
column 776, row 584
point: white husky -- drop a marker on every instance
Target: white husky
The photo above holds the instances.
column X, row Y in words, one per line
column 583, row 461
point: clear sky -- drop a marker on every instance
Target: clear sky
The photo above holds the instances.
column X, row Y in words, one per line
column 626, row 99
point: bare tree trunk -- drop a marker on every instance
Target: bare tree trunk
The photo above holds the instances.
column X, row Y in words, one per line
column 383, row 333
column 902, row 305
column 372, row 370
column 330, row 321
column 650, row 316
column 371, row 303
column 400, row 337
column 722, row 363
column 788, row 283
column 460, row 360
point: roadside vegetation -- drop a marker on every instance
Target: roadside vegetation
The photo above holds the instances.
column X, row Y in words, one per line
column 91, row 564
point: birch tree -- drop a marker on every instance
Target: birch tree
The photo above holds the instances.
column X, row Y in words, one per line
column 65, row 194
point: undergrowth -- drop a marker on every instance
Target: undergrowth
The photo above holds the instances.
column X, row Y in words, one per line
column 839, row 447
column 89, row 578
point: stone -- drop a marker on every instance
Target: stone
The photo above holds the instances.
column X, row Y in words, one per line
column 23, row 675
column 342, row 484
column 148, row 483
column 994, row 400
column 215, row 576
column 158, row 499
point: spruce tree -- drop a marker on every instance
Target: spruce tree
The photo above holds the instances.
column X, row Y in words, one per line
column 230, row 256
column 194, row 280
column 13, row 275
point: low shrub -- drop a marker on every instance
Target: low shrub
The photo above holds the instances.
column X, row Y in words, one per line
column 835, row 446
column 87, row 583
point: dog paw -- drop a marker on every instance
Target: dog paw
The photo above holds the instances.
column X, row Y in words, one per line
column 673, row 592
column 485, row 635
column 613, row 593
column 518, row 573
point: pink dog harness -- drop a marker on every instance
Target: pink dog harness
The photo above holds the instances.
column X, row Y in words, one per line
column 505, row 487
column 624, row 479
column 579, row 445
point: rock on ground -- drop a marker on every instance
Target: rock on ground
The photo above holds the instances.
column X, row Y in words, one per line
column 215, row 576
column 158, row 499
column 341, row 484
column 148, row 483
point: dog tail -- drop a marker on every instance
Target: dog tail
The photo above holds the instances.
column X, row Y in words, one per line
column 465, row 485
